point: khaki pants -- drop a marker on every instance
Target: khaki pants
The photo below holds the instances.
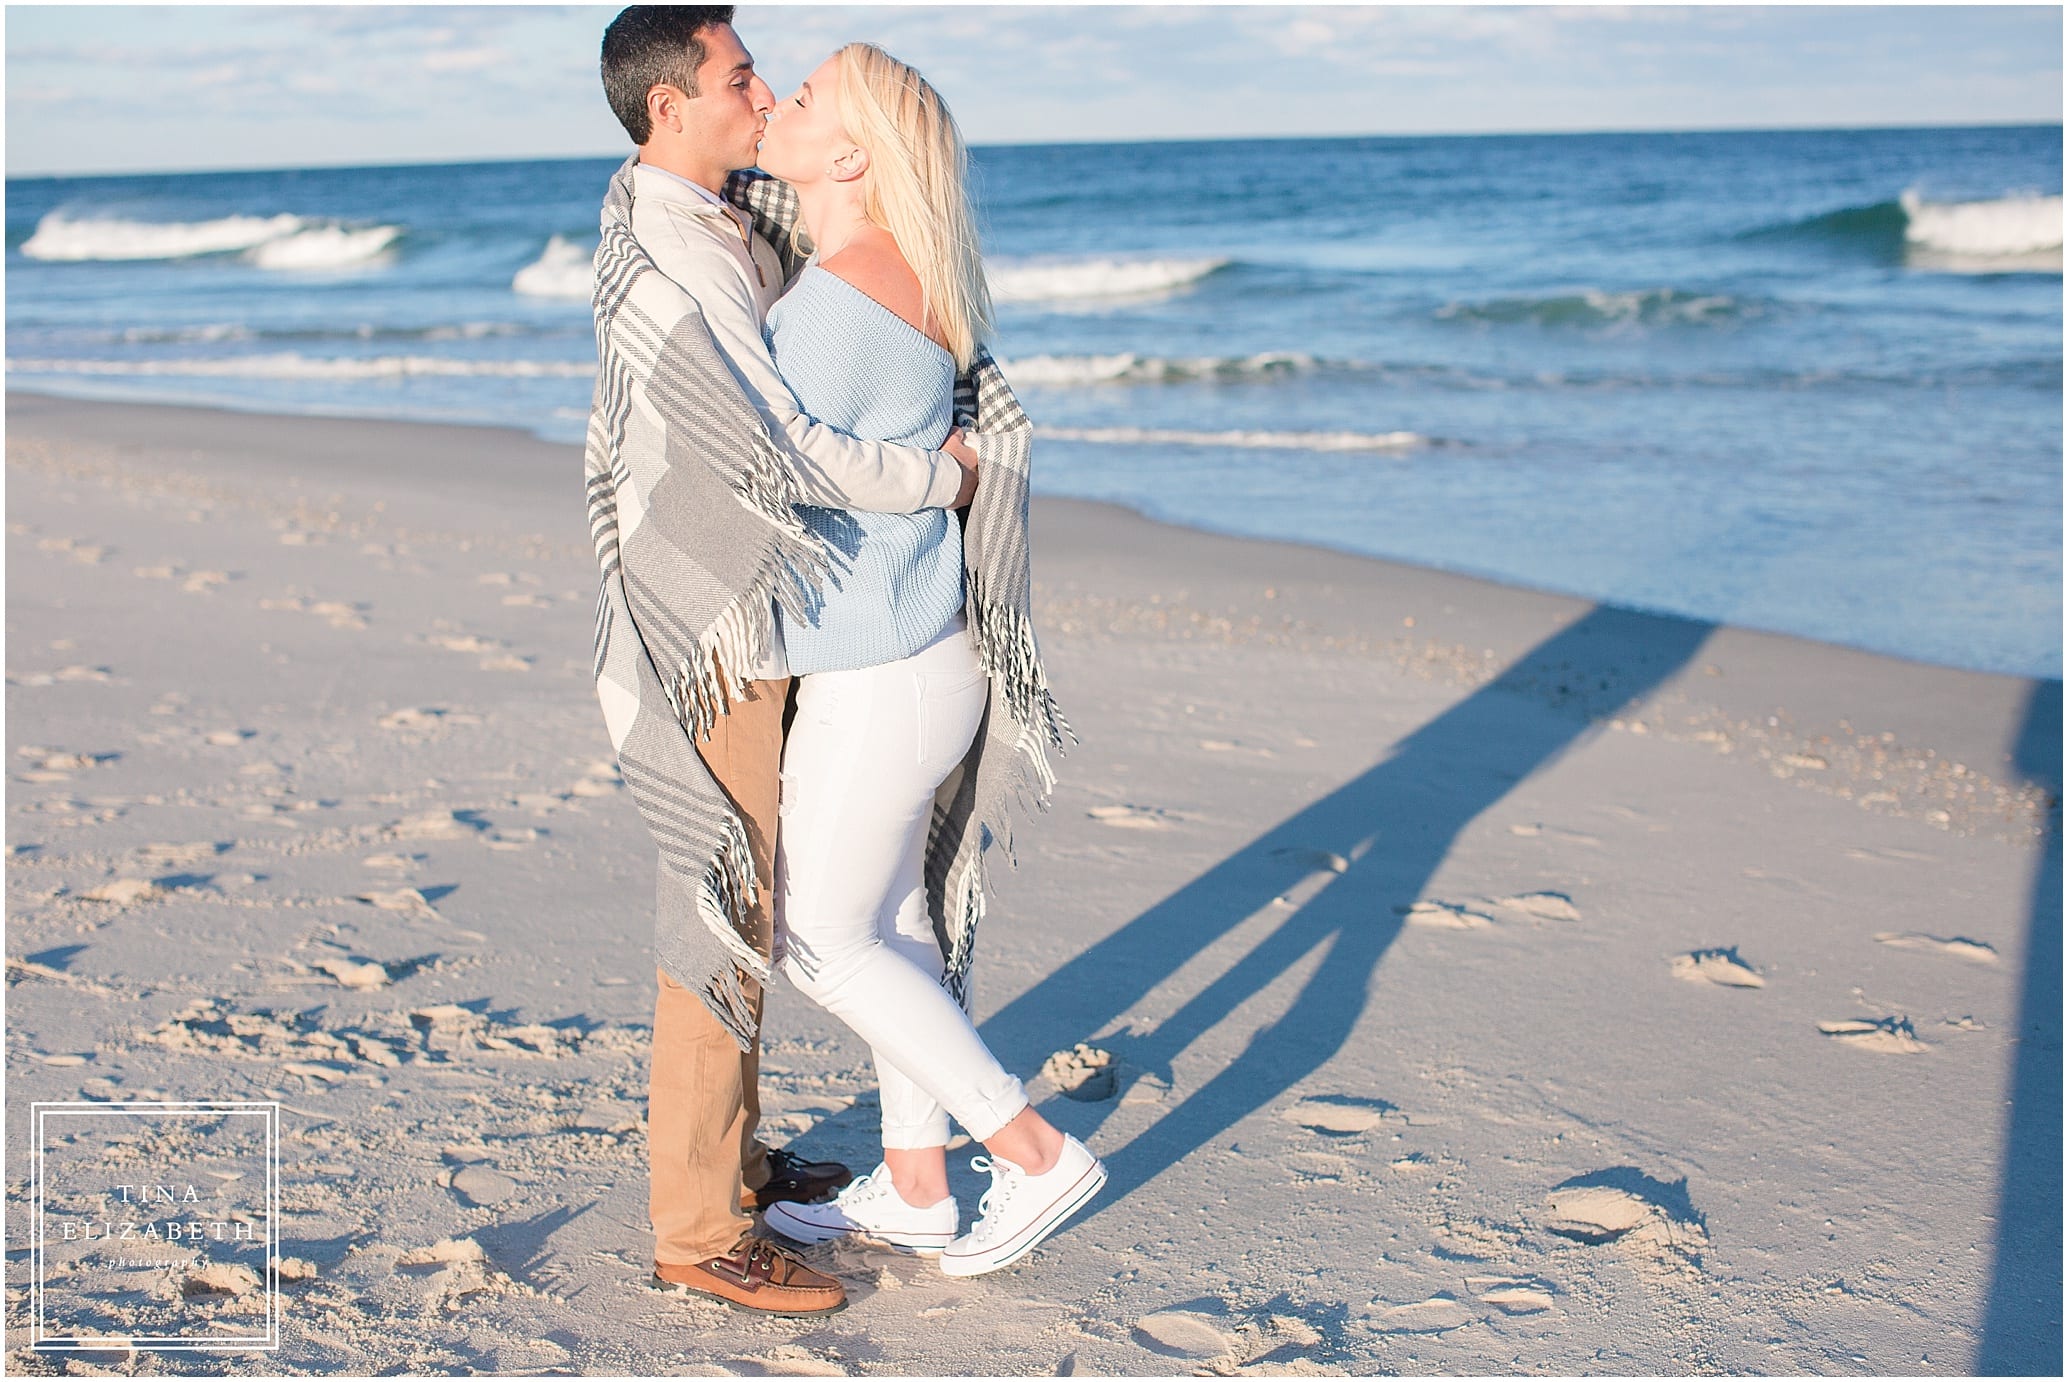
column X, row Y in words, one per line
column 703, row 1100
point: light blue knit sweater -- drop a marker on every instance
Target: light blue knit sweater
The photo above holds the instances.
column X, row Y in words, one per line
column 896, row 581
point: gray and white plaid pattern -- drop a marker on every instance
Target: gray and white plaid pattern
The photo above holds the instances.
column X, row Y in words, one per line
column 690, row 512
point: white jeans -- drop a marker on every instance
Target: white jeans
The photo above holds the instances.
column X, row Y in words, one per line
column 861, row 762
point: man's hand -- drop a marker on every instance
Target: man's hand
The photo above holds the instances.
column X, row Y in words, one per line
column 958, row 448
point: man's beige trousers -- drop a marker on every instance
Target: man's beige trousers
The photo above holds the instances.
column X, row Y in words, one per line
column 703, row 1102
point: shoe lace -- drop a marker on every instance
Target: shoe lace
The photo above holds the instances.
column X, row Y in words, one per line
column 869, row 1185
column 1004, row 1180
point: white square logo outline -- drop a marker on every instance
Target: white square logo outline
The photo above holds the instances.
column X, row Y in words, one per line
column 269, row 1110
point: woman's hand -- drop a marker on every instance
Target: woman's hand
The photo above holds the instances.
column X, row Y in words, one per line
column 957, row 447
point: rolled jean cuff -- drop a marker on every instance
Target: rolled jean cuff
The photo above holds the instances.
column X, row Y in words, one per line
column 912, row 1137
column 1001, row 1108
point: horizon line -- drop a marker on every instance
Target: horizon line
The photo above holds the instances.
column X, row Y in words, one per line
column 1072, row 143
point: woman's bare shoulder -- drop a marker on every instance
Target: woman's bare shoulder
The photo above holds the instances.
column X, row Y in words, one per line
column 872, row 264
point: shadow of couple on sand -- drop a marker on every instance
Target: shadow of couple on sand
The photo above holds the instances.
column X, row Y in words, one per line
column 1389, row 830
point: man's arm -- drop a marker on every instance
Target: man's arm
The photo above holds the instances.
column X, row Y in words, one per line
column 830, row 467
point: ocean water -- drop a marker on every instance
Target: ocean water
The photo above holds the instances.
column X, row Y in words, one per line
column 1807, row 382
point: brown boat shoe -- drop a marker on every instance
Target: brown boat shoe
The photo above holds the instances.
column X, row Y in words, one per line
column 792, row 1178
column 756, row 1275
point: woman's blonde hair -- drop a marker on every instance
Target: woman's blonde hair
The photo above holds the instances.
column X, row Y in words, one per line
column 917, row 188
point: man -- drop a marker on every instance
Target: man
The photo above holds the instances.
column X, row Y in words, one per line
column 685, row 90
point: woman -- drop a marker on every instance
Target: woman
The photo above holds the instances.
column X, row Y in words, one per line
column 890, row 695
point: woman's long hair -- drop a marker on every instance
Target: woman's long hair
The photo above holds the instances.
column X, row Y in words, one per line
column 917, row 188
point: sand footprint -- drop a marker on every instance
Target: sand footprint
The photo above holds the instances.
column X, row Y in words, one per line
column 1447, row 916
column 1640, row 1221
column 1511, row 1295
column 435, row 825
column 1954, row 947
column 425, row 717
column 340, row 613
column 479, row 1185
column 1324, row 859
column 1717, row 967
column 1319, row 1168
column 1544, row 906
column 1439, row 1314
column 1888, row 1035
column 496, row 656
column 784, row 1360
column 55, row 765
column 1125, row 816
column 600, row 778
column 408, row 900
column 451, row 1269
column 123, row 892
column 1085, row 1073
column 1181, row 1333
column 76, row 672
column 88, row 552
column 1538, row 830
column 1339, row 1115
column 170, row 856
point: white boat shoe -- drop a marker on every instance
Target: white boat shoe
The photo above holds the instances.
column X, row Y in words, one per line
column 870, row 1207
column 1019, row 1210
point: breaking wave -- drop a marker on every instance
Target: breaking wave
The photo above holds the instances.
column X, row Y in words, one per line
column 271, row 242
column 326, row 247
column 1245, row 440
column 2005, row 232
column 1066, row 280
column 1065, row 370
column 181, row 335
column 213, row 332
column 562, row 270
column 1594, row 307
column 289, row 365
column 1995, row 233
column 60, row 238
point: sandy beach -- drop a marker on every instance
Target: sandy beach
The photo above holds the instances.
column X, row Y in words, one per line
column 1477, row 980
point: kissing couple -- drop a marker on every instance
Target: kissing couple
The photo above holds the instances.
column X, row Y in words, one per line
column 807, row 484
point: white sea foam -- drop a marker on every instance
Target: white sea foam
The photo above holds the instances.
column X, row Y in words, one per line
column 2003, row 227
column 59, row 237
column 1245, row 440
column 289, row 365
column 213, row 331
column 1065, row 370
column 1593, row 307
column 270, row 242
column 325, row 247
column 471, row 331
column 1063, row 280
column 563, row 270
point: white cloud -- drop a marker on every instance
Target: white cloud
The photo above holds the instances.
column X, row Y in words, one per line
column 369, row 84
column 463, row 59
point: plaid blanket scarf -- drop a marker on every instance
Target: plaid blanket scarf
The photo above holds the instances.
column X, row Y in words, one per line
column 690, row 511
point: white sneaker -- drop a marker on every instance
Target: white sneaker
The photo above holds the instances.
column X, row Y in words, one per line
column 871, row 1207
column 1019, row 1210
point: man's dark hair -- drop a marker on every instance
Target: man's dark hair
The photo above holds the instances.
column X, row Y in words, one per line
column 654, row 45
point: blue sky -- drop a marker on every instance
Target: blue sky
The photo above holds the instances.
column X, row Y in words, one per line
column 149, row 88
